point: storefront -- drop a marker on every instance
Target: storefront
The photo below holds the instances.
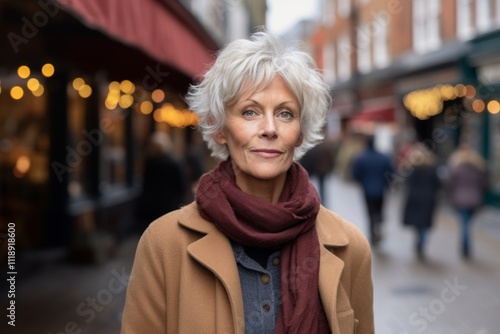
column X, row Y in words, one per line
column 485, row 60
column 80, row 94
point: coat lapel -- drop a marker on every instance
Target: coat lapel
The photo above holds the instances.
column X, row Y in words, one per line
column 331, row 266
column 214, row 252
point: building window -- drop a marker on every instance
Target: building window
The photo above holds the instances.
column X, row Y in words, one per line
column 344, row 8
column 364, row 44
column 329, row 63
column 483, row 15
column 464, row 19
column 328, row 13
column 426, row 25
column 497, row 12
column 344, row 50
column 381, row 43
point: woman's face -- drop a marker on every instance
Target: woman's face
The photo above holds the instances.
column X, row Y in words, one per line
column 261, row 131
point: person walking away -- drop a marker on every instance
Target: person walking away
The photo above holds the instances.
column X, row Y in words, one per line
column 372, row 170
column 466, row 183
column 319, row 163
column 423, row 185
column 164, row 182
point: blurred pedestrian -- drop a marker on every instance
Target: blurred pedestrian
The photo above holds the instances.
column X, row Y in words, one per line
column 422, row 185
column 373, row 170
column 350, row 146
column 164, row 181
column 466, row 183
column 319, row 162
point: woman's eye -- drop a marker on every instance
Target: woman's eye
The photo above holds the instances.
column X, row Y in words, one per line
column 286, row 114
column 248, row 113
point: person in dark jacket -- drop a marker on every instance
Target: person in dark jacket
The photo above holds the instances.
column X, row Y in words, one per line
column 164, row 182
column 466, row 183
column 423, row 184
column 373, row 169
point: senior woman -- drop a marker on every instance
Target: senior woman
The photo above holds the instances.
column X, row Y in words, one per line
column 255, row 252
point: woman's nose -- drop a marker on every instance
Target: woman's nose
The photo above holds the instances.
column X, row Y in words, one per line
column 268, row 127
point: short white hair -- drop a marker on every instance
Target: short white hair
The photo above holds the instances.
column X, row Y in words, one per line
column 250, row 63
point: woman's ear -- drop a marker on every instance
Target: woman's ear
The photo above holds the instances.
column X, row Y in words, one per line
column 220, row 137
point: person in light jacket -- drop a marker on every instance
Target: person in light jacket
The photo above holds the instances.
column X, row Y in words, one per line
column 466, row 184
column 255, row 252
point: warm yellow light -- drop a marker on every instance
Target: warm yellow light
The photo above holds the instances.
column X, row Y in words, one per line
column 157, row 95
column 78, row 83
column 114, row 86
column 48, row 70
column 33, row 84
column 85, row 91
column 494, row 107
column 448, row 92
column 460, row 90
column 478, row 106
column 125, row 101
column 110, row 103
column 39, row 91
column 470, row 91
column 127, row 87
column 23, row 71
column 16, row 92
column 146, row 107
column 157, row 115
column 23, row 164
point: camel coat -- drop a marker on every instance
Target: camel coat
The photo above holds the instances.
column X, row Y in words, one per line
column 185, row 279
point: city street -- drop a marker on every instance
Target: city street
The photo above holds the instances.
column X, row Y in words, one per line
column 441, row 295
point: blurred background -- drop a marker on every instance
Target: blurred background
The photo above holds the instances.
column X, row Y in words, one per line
column 91, row 94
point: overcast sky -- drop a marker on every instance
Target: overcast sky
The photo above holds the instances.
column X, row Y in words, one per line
column 282, row 14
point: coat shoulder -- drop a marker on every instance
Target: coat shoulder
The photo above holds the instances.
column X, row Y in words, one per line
column 336, row 231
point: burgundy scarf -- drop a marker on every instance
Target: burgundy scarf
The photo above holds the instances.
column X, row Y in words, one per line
column 289, row 224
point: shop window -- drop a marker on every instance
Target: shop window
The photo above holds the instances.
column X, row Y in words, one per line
column 24, row 157
column 113, row 164
column 79, row 146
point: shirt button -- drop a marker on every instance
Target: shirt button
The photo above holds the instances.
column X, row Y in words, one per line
column 265, row 279
column 276, row 261
column 266, row 307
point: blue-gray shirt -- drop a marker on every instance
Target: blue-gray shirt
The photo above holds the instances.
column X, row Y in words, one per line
column 261, row 289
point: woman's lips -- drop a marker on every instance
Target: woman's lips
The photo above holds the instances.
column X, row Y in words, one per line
column 267, row 153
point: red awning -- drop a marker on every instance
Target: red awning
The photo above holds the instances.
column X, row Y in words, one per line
column 374, row 115
column 158, row 27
